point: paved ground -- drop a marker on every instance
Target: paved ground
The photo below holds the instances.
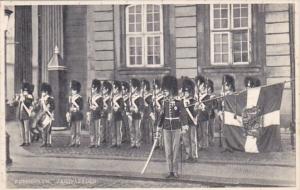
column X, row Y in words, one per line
column 213, row 167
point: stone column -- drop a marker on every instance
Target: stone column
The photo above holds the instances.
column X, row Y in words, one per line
column 50, row 35
column 57, row 74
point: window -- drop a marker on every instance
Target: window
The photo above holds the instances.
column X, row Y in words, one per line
column 144, row 36
column 230, row 26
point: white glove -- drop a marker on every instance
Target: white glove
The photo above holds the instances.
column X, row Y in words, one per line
column 152, row 116
column 158, row 133
column 185, row 128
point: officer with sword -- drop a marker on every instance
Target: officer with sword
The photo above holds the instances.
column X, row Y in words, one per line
column 172, row 121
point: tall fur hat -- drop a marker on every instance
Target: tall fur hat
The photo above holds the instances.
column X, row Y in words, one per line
column 257, row 82
column 96, row 84
column 170, row 83
column 117, row 84
column 107, row 85
column 188, row 86
column 249, row 82
column 45, row 87
column 229, row 81
column 26, row 86
column 125, row 85
column 136, row 83
column 31, row 89
column 210, row 84
column 200, row 79
column 156, row 82
column 75, row 85
column 146, row 84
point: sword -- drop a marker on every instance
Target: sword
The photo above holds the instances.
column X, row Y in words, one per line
column 150, row 155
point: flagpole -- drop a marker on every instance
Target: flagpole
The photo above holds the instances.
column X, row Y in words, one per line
column 237, row 93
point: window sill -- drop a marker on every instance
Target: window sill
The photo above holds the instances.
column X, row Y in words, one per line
column 232, row 69
column 142, row 71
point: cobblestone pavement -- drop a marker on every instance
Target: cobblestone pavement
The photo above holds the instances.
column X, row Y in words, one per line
column 213, row 154
column 17, row 180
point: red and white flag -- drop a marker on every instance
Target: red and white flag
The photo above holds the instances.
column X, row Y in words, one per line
column 268, row 100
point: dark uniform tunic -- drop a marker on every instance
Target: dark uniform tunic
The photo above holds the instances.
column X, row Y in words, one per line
column 173, row 115
column 172, row 118
column 77, row 102
column 97, row 101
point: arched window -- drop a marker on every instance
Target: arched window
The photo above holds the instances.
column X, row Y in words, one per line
column 144, row 36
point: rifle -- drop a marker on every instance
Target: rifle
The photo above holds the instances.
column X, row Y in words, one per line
column 221, row 126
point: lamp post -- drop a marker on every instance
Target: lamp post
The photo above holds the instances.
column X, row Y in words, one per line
column 6, row 19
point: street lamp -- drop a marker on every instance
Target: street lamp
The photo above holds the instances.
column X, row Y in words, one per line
column 6, row 19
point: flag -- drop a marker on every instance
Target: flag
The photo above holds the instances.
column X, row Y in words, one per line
column 266, row 100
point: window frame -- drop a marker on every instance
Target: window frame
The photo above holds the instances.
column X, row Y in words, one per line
column 144, row 34
column 230, row 29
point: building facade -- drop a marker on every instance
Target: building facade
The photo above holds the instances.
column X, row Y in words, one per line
column 147, row 41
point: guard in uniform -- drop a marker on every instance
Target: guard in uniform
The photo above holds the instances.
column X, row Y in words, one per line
column 173, row 121
column 24, row 102
column 211, row 107
column 251, row 82
column 106, row 115
column 126, row 112
column 203, row 117
column 74, row 115
column 228, row 88
column 118, row 108
column 190, row 138
column 136, row 109
column 148, row 122
column 95, row 103
column 157, row 97
column 46, row 115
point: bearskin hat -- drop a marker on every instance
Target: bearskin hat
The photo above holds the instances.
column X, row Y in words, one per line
column 118, row 85
column 156, row 82
column 257, row 82
column 26, row 86
column 146, row 84
column 136, row 83
column 188, row 86
column 170, row 83
column 125, row 85
column 45, row 87
column 200, row 79
column 249, row 82
column 107, row 85
column 229, row 80
column 75, row 85
column 210, row 84
column 31, row 89
column 96, row 84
